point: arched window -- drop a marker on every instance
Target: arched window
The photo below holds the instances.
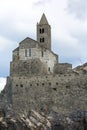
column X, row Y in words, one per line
column 42, row 30
column 42, row 40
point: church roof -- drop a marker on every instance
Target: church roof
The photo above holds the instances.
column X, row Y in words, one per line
column 28, row 39
column 43, row 20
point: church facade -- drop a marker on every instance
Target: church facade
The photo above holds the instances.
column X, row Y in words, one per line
column 36, row 57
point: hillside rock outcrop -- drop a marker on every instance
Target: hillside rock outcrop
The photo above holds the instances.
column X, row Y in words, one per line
column 39, row 121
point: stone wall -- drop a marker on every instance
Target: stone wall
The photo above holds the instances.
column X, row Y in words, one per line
column 60, row 93
column 62, row 68
column 15, row 55
column 27, row 68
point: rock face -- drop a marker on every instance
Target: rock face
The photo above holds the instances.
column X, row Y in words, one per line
column 39, row 121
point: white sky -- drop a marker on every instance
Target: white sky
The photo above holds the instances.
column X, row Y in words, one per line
column 68, row 20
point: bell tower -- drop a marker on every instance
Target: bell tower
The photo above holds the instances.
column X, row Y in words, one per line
column 44, row 32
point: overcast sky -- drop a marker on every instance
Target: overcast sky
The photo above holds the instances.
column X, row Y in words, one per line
column 68, row 20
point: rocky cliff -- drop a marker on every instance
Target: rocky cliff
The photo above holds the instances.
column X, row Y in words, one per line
column 42, row 121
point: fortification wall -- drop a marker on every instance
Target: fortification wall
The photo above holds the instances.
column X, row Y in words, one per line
column 60, row 93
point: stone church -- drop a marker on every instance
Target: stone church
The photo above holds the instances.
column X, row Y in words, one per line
column 36, row 57
column 38, row 81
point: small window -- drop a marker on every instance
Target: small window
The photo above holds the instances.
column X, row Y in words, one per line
column 29, row 52
column 25, row 52
column 21, row 85
column 42, row 53
column 49, row 69
column 54, row 89
column 42, row 30
column 49, row 83
column 42, row 40
column 56, row 83
column 43, row 84
column 67, row 86
column 37, row 84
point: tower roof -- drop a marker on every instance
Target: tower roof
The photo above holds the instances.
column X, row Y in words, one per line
column 43, row 20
